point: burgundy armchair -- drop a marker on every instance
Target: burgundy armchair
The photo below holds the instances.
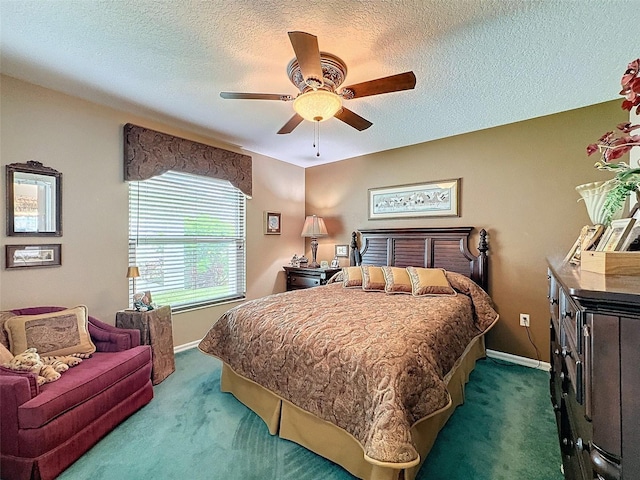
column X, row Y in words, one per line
column 44, row 429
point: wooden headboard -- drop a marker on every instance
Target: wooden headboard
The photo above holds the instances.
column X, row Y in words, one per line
column 442, row 247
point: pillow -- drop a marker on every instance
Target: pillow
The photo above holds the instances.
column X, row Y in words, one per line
column 56, row 333
column 5, row 355
column 4, row 316
column 429, row 281
column 396, row 280
column 351, row 277
column 372, row 279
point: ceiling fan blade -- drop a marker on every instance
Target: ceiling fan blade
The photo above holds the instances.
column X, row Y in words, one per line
column 307, row 53
column 291, row 124
column 393, row 83
column 255, row 96
column 353, row 119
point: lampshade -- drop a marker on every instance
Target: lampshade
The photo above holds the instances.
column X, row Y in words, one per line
column 133, row 272
column 314, row 227
column 317, row 105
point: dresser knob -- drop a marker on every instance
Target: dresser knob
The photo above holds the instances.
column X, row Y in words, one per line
column 566, row 353
column 580, row 445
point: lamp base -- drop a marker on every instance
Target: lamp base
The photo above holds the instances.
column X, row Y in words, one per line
column 314, row 250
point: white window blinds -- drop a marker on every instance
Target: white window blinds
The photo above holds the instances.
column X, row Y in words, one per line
column 187, row 236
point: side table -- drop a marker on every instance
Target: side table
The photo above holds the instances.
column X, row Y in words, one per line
column 305, row 277
column 155, row 330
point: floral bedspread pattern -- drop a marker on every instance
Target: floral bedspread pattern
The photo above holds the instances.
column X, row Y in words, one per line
column 370, row 363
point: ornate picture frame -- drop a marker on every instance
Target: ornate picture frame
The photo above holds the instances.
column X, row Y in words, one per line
column 439, row 198
column 272, row 223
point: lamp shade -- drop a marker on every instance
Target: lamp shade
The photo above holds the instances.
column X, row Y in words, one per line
column 314, row 227
column 133, row 272
column 317, row 105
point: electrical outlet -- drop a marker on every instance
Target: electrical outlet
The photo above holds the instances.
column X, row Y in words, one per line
column 524, row 320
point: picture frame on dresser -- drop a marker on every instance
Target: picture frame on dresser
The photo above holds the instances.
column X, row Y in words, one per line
column 615, row 235
column 589, row 236
column 632, row 236
column 342, row 251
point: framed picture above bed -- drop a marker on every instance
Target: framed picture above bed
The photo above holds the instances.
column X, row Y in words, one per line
column 439, row 198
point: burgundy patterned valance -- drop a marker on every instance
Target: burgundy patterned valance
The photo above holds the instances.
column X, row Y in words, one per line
column 148, row 153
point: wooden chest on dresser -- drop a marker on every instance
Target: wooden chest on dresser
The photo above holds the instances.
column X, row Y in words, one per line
column 595, row 371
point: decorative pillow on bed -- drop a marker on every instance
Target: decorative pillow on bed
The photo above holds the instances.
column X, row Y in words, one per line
column 396, row 280
column 429, row 281
column 372, row 279
column 352, row 277
column 56, row 333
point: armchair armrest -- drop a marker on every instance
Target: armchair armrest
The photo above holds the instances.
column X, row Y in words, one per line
column 108, row 338
column 16, row 388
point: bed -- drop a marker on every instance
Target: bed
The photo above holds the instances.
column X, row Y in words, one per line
column 360, row 376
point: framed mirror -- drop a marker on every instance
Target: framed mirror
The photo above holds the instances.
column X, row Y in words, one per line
column 34, row 200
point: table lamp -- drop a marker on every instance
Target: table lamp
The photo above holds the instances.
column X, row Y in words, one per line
column 133, row 272
column 314, row 227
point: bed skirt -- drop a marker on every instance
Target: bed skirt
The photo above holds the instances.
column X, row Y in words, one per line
column 329, row 441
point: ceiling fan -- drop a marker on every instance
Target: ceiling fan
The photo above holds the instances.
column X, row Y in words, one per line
column 318, row 75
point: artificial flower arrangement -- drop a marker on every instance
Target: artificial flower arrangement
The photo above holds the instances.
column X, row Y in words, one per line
column 612, row 146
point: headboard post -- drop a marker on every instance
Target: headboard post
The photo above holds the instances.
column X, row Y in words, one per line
column 483, row 246
column 354, row 254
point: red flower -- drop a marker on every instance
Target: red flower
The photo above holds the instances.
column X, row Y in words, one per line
column 610, row 146
column 630, row 83
column 592, row 148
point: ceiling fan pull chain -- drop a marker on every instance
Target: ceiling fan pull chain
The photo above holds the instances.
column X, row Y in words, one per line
column 316, row 133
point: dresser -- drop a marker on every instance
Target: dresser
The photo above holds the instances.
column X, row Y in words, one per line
column 303, row 277
column 595, row 371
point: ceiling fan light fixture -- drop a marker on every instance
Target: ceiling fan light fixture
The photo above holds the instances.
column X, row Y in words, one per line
column 317, row 105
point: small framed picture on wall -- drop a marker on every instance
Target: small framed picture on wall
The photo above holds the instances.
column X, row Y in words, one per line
column 272, row 223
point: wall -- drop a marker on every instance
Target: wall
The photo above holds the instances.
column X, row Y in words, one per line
column 84, row 142
column 517, row 182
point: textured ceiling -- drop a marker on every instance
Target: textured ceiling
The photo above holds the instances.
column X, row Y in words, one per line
column 478, row 63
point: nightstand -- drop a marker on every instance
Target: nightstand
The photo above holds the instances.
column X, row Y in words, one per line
column 156, row 330
column 300, row 277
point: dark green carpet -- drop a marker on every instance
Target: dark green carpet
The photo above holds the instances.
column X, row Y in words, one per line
column 504, row 431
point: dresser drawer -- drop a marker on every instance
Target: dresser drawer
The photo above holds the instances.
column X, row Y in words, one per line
column 302, row 281
column 553, row 296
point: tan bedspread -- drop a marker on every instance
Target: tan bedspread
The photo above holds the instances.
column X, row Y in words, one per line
column 370, row 363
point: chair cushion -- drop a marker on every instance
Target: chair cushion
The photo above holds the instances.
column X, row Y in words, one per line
column 80, row 383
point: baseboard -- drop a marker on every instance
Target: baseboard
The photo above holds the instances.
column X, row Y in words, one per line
column 524, row 361
column 186, row 346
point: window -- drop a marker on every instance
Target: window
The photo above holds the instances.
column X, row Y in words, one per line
column 187, row 236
